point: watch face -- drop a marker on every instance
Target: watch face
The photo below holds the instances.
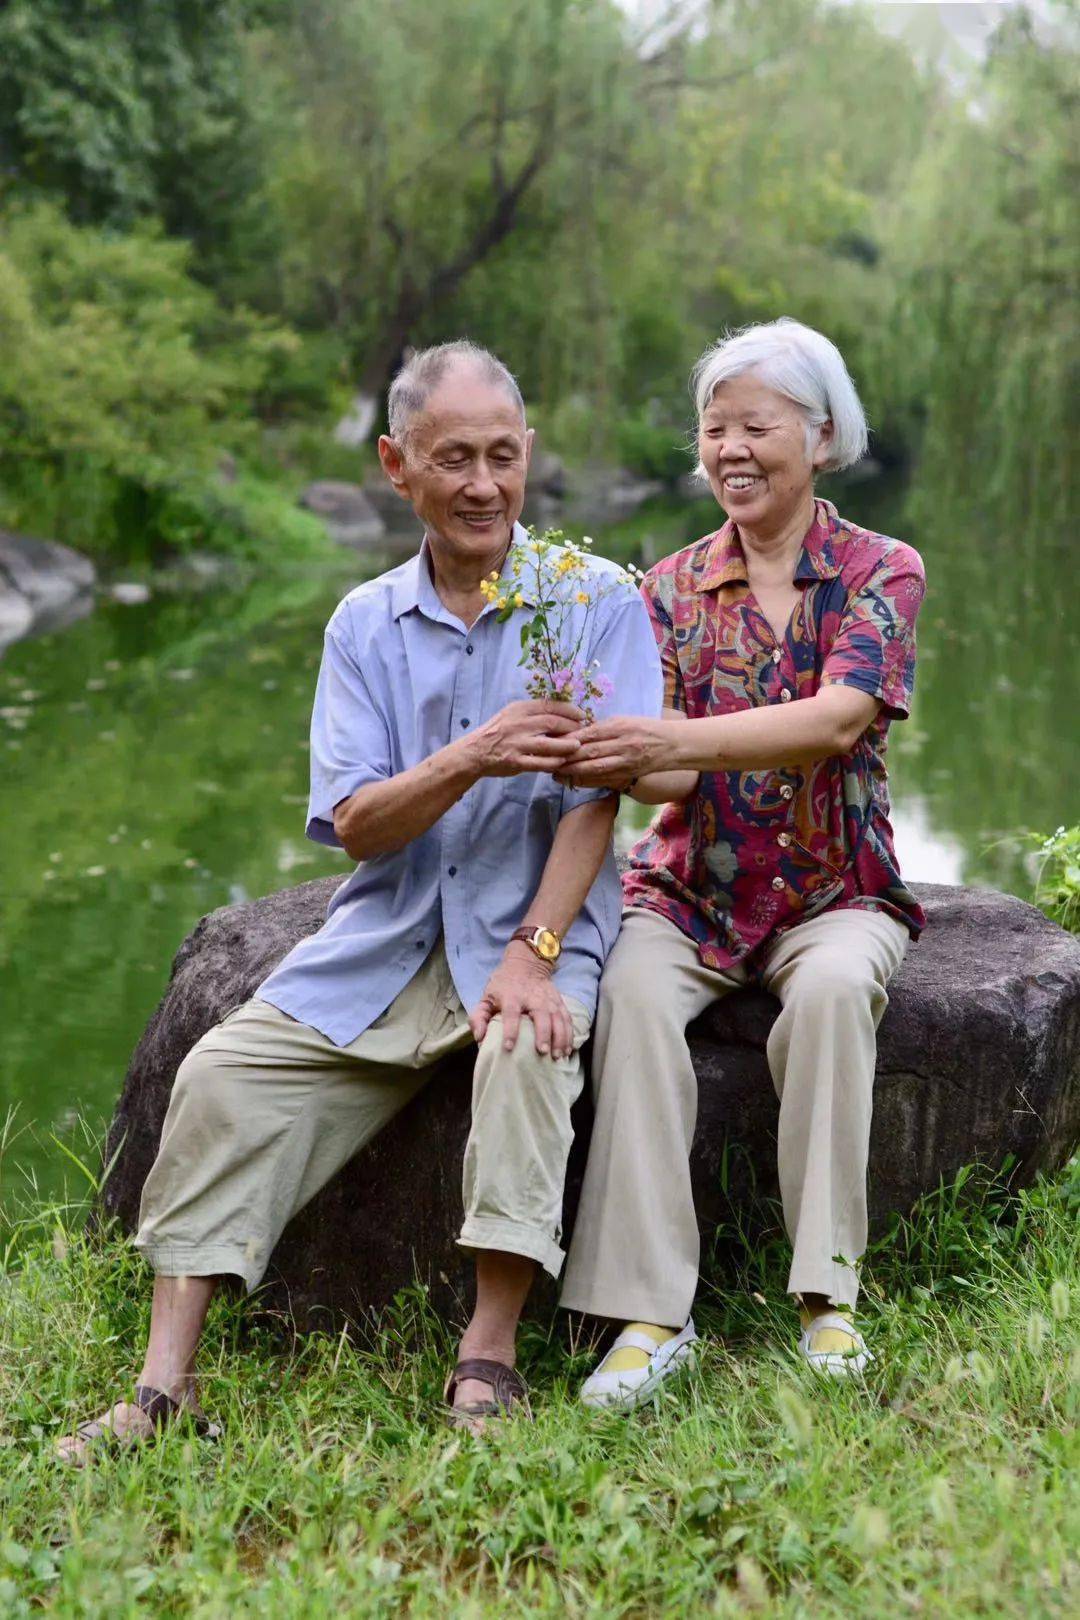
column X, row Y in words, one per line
column 547, row 944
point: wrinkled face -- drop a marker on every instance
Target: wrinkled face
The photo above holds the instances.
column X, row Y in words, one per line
column 752, row 443
column 463, row 464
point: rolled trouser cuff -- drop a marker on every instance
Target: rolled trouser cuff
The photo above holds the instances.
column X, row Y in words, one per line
column 512, row 1237
column 169, row 1259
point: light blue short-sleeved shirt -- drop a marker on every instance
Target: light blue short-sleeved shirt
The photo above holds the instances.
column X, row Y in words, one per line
column 401, row 677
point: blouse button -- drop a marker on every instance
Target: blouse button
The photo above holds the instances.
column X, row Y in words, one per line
column 787, row 791
column 778, row 883
column 777, row 655
column 784, row 840
column 785, row 696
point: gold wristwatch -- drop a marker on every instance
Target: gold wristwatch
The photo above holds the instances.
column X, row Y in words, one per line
column 543, row 941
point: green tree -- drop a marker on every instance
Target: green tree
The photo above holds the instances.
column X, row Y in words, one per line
column 403, row 163
column 983, row 346
column 124, row 382
column 122, row 109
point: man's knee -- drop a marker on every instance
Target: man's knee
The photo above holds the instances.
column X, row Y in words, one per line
column 201, row 1090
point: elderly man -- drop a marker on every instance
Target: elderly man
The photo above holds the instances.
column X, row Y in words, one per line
column 484, row 904
column 788, row 645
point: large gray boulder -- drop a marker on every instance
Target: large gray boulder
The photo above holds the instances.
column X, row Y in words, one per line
column 979, row 1061
column 43, row 585
column 350, row 517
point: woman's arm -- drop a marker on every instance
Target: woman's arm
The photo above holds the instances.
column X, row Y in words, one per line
column 828, row 725
column 665, row 787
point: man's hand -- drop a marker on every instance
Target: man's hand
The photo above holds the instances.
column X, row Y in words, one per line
column 521, row 987
column 527, row 736
column 614, row 753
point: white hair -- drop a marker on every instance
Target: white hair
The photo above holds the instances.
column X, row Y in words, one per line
column 802, row 365
column 427, row 367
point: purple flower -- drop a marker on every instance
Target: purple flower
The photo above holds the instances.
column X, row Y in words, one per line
column 604, row 685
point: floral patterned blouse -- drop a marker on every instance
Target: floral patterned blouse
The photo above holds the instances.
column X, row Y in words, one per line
column 751, row 853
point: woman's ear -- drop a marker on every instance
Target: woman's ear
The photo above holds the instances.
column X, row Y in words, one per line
column 823, row 447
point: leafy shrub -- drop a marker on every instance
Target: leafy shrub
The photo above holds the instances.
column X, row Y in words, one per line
column 123, row 386
column 653, row 449
column 1057, row 884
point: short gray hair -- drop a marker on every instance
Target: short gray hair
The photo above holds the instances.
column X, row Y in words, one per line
column 802, row 365
column 419, row 375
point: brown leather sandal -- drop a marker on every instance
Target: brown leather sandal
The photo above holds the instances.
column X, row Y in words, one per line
column 161, row 1409
column 507, row 1387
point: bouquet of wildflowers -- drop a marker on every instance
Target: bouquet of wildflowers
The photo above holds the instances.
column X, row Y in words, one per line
column 555, row 574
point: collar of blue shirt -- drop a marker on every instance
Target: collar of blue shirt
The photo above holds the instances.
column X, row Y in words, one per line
column 414, row 588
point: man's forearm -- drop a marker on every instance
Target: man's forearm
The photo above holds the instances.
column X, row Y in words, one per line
column 581, row 843
column 385, row 816
column 664, row 787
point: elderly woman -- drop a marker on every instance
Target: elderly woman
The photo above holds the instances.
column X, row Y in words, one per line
column 788, row 645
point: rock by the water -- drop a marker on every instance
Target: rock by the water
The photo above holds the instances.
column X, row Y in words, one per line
column 42, row 585
column 979, row 1060
column 348, row 514
column 129, row 592
column 547, row 474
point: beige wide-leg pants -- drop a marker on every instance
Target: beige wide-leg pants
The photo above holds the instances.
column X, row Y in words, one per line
column 265, row 1110
column 636, row 1249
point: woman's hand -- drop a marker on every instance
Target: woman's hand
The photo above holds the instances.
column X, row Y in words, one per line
column 614, row 753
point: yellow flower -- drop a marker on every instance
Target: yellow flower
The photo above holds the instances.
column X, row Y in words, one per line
column 519, row 600
column 583, row 596
column 501, row 602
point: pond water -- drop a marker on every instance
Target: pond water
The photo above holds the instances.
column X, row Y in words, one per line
column 153, row 766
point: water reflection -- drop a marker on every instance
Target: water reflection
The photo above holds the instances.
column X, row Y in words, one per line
column 154, row 766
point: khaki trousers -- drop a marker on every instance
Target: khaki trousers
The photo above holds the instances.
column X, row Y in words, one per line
column 636, row 1249
column 265, row 1110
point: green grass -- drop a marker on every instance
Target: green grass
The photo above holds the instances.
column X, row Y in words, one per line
column 946, row 1486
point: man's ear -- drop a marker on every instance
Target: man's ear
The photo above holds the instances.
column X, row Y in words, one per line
column 392, row 457
column 530, row 435
column 824, row 444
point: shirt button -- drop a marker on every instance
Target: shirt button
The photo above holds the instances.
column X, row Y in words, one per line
column 452, row 870
column 787, row 791
column 784, row 840
column 469, row 648
column 419, row 944
column 464, row 723
column 785, row 696
column 778, row 883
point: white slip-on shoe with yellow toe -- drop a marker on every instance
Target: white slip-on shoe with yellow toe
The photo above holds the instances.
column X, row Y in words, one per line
column 641, row 1358
column 833, row 1345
